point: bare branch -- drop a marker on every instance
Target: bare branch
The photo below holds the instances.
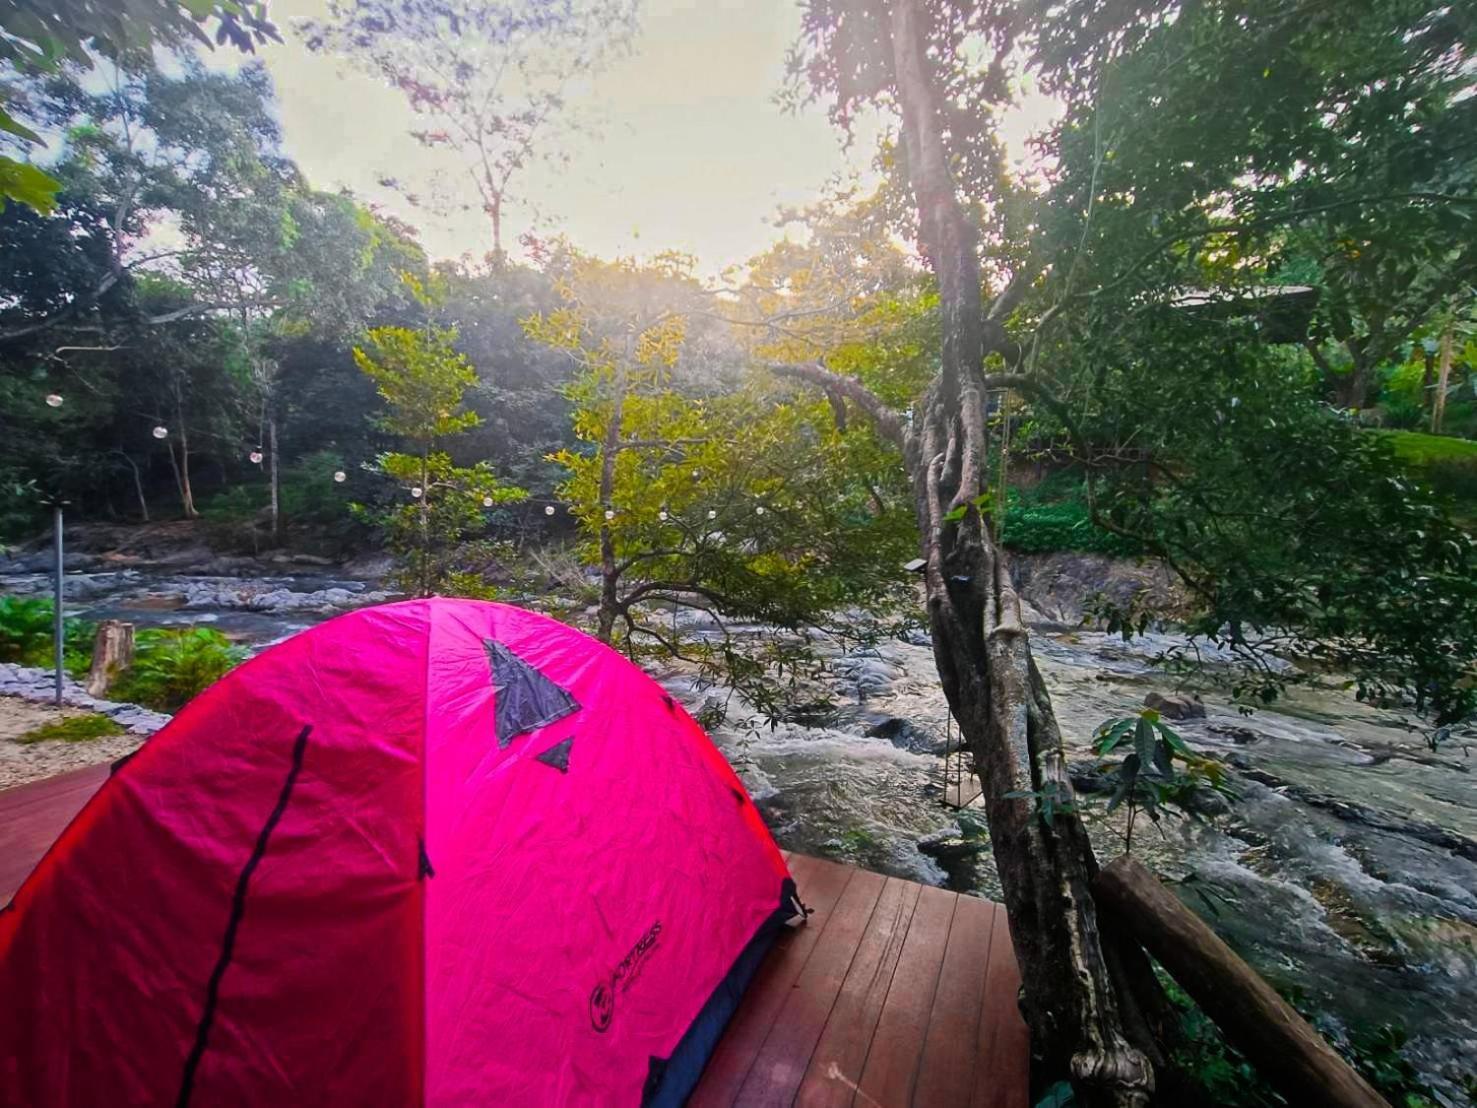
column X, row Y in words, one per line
column 888, row 422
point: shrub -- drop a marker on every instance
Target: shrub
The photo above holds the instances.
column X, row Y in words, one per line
column 26, row 629
column 171, row 665
column 1067, row 525
column 1456, row 477
column 1401, row 414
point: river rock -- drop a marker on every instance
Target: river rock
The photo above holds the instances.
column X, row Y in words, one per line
column 33, row 683
column 906, row 735
column 950, row 844
column 871, row 673
column 1088, row 777
column 1055, row 587
column 1176, row 705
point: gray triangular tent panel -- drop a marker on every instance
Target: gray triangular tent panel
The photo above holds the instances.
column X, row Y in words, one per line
column 558, row 755
column 526, row 700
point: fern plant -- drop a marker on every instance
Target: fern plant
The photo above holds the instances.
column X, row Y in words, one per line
column 171, row 665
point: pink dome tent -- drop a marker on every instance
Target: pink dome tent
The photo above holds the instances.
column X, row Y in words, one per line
column 439, row 852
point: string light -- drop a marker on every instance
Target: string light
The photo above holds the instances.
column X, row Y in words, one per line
column 340, row 476
column 662, row 515
column 53, row 400
column 609, row 513
column 256, row 457
column 417, row 492
column 161, row 432
column 696, row 474
column 548, row 511
column 759, row 511
column 712, row 513
column 487, row 502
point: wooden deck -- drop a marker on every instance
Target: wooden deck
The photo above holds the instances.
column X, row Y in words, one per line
column 893, row 994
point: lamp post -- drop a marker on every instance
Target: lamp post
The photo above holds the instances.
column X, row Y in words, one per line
column 57, row 632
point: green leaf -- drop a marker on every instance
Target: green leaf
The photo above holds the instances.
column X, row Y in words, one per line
column 1143, row 741
column 11, row 125
column 29, row 185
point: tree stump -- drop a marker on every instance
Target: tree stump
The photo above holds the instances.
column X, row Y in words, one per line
column 112, row 653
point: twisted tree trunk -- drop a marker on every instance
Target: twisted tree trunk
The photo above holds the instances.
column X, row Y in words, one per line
column 1077, row 1017
column 609, row 452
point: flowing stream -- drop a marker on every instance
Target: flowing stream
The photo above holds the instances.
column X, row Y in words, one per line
column 1346, row 868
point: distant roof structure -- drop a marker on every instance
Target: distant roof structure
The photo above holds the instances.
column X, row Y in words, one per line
column 1282, row 312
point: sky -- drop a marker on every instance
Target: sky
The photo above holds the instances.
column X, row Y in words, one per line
column 694, row 154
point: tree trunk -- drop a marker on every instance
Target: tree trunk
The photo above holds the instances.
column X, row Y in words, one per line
column 609, row 451
column 112, row 653
column 187, row 495
column 1443, row 379
column 179, row 482
column 981, row 649
column 1255, row 1020
column 138, row 486
column 495, row 213
column 424, row 574
column 272, row 474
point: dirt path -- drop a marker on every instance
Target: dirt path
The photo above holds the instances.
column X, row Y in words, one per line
column 22, row 762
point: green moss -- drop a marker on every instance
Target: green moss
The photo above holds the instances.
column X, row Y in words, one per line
column 76, row 729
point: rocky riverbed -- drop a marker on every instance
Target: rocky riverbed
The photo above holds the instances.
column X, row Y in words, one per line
column 1346, row 867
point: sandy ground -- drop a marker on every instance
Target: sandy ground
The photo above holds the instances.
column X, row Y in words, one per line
column 22, row 762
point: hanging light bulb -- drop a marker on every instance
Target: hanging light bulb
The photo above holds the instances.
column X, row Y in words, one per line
column 161, row 432
column 662, row 515
column 609, row 513
column 759, row 511
column 256, row 457
column 53, row 400
column 340, row 476
column 549, row 510
column 487, row 502
column 712, row 513
column 417, row 492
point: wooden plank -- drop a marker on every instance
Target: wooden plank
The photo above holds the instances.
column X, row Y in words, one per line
column 45, row 791
column 1002, row 1074
column 33, row 815
column 781, row 1062
column 837, row 1061
column 946, row 1072
column 820, row 884
column 897, row 1045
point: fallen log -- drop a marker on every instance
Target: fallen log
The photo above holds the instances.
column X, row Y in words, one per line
column 1284, row 1047
column 112, row 653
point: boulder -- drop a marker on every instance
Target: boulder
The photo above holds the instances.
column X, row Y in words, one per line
column 1176, row 705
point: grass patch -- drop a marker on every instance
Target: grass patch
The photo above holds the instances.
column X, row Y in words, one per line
column 1417, row 448
column 1446, row 463
column 76, row 729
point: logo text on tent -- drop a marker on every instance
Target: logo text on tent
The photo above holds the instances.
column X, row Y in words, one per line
column 602, row 997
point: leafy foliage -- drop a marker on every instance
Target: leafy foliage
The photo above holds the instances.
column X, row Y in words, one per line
column 26, row 629
column 38, row 37
column 1146, row 776
column 739, row 502
column 422, row 378
column 173, row 665
column 1042, row 527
